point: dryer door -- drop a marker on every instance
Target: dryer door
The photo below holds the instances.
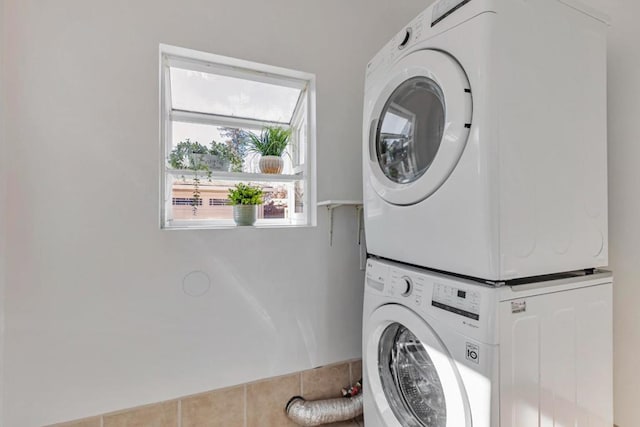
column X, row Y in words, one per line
column 418, row 126
column 414, row 380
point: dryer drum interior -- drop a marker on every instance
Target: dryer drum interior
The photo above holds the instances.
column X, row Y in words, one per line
column 411, row 129
column 410, row 380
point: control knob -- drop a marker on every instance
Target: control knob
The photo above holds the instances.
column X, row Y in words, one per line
column 406, row 286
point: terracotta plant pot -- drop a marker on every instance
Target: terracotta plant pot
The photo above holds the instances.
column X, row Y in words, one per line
column 271, row 164
column 245, row 215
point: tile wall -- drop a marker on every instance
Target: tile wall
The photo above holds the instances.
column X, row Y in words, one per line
column 257, row 404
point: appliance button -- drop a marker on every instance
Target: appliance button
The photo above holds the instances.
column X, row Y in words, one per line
column 407, row 38
column 406, row 286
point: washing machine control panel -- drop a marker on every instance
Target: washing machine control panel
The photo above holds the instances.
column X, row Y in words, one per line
column 459, row 301
column 407, row 286
column 400, row 43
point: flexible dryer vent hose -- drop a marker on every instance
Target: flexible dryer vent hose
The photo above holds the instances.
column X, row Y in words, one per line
column 318, row 412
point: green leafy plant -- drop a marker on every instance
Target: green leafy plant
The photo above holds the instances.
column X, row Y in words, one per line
column 196, row 197
column 272, row 141
column 181, row 157
column 244, row 194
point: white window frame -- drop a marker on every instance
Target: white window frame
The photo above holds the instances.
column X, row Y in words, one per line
column 171, row 56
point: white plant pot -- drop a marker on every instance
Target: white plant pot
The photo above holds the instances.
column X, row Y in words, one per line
column 216, row 163
column 245, row 215
column 271, row 164
column 196, row 160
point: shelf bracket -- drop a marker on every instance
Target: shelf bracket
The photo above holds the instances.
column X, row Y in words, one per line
column 331, row 205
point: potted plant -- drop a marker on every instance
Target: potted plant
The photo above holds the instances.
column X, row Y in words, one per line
column 223, row 157
column 197, row 156
column 245, row 200
column 271, row 145
column 194, row 156
column 188, row 155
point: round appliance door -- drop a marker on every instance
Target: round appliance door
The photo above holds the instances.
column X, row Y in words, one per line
column 418, row 126
column 414, row 380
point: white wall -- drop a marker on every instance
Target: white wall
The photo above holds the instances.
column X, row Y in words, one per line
column 3, row 202
column 97, row 319
column 624, row 204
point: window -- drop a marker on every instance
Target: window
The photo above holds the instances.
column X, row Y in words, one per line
column 210, row 107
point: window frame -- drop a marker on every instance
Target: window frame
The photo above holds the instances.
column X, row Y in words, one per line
column 172, row 56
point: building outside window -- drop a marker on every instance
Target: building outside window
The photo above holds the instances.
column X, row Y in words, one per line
column 210, row 106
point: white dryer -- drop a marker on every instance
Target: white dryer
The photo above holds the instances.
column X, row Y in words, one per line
column 439, row 351
column 485, row 140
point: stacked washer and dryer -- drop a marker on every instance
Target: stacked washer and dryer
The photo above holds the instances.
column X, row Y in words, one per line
column 485, row 188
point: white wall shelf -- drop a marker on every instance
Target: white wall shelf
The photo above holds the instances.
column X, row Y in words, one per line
column 332, row 204
column 237, row 176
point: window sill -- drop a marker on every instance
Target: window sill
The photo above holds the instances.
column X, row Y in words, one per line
column 238, row 176
column 235, row 227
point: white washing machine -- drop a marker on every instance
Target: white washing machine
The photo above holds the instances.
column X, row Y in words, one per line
column 485, row 140
column 439, row 351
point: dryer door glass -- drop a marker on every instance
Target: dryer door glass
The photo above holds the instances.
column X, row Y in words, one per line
column 410, row 380
column 410, row 129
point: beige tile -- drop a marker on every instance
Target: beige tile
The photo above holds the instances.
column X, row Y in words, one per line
column 266, row 401
column 356, row 371
column 86, row 422
column 325, row 382
column 159, row 415
column 220, row 408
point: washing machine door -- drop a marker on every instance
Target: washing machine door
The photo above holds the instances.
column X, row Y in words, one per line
column 418, row 126
column 414, row 380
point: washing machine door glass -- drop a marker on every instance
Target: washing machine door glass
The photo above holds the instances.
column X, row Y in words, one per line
column 413, row 379
column 410, row 380
column 411, row 129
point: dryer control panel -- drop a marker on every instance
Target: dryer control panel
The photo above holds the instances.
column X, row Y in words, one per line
column 459, row 301
column 444, row 8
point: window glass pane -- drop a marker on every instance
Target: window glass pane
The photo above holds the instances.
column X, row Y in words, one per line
column 230, row 96
column 231, row 149
column 204, row 134
column 410, row 379
column 298, row 150
column 232, row 144
column 299, row 197
column 209, row 200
